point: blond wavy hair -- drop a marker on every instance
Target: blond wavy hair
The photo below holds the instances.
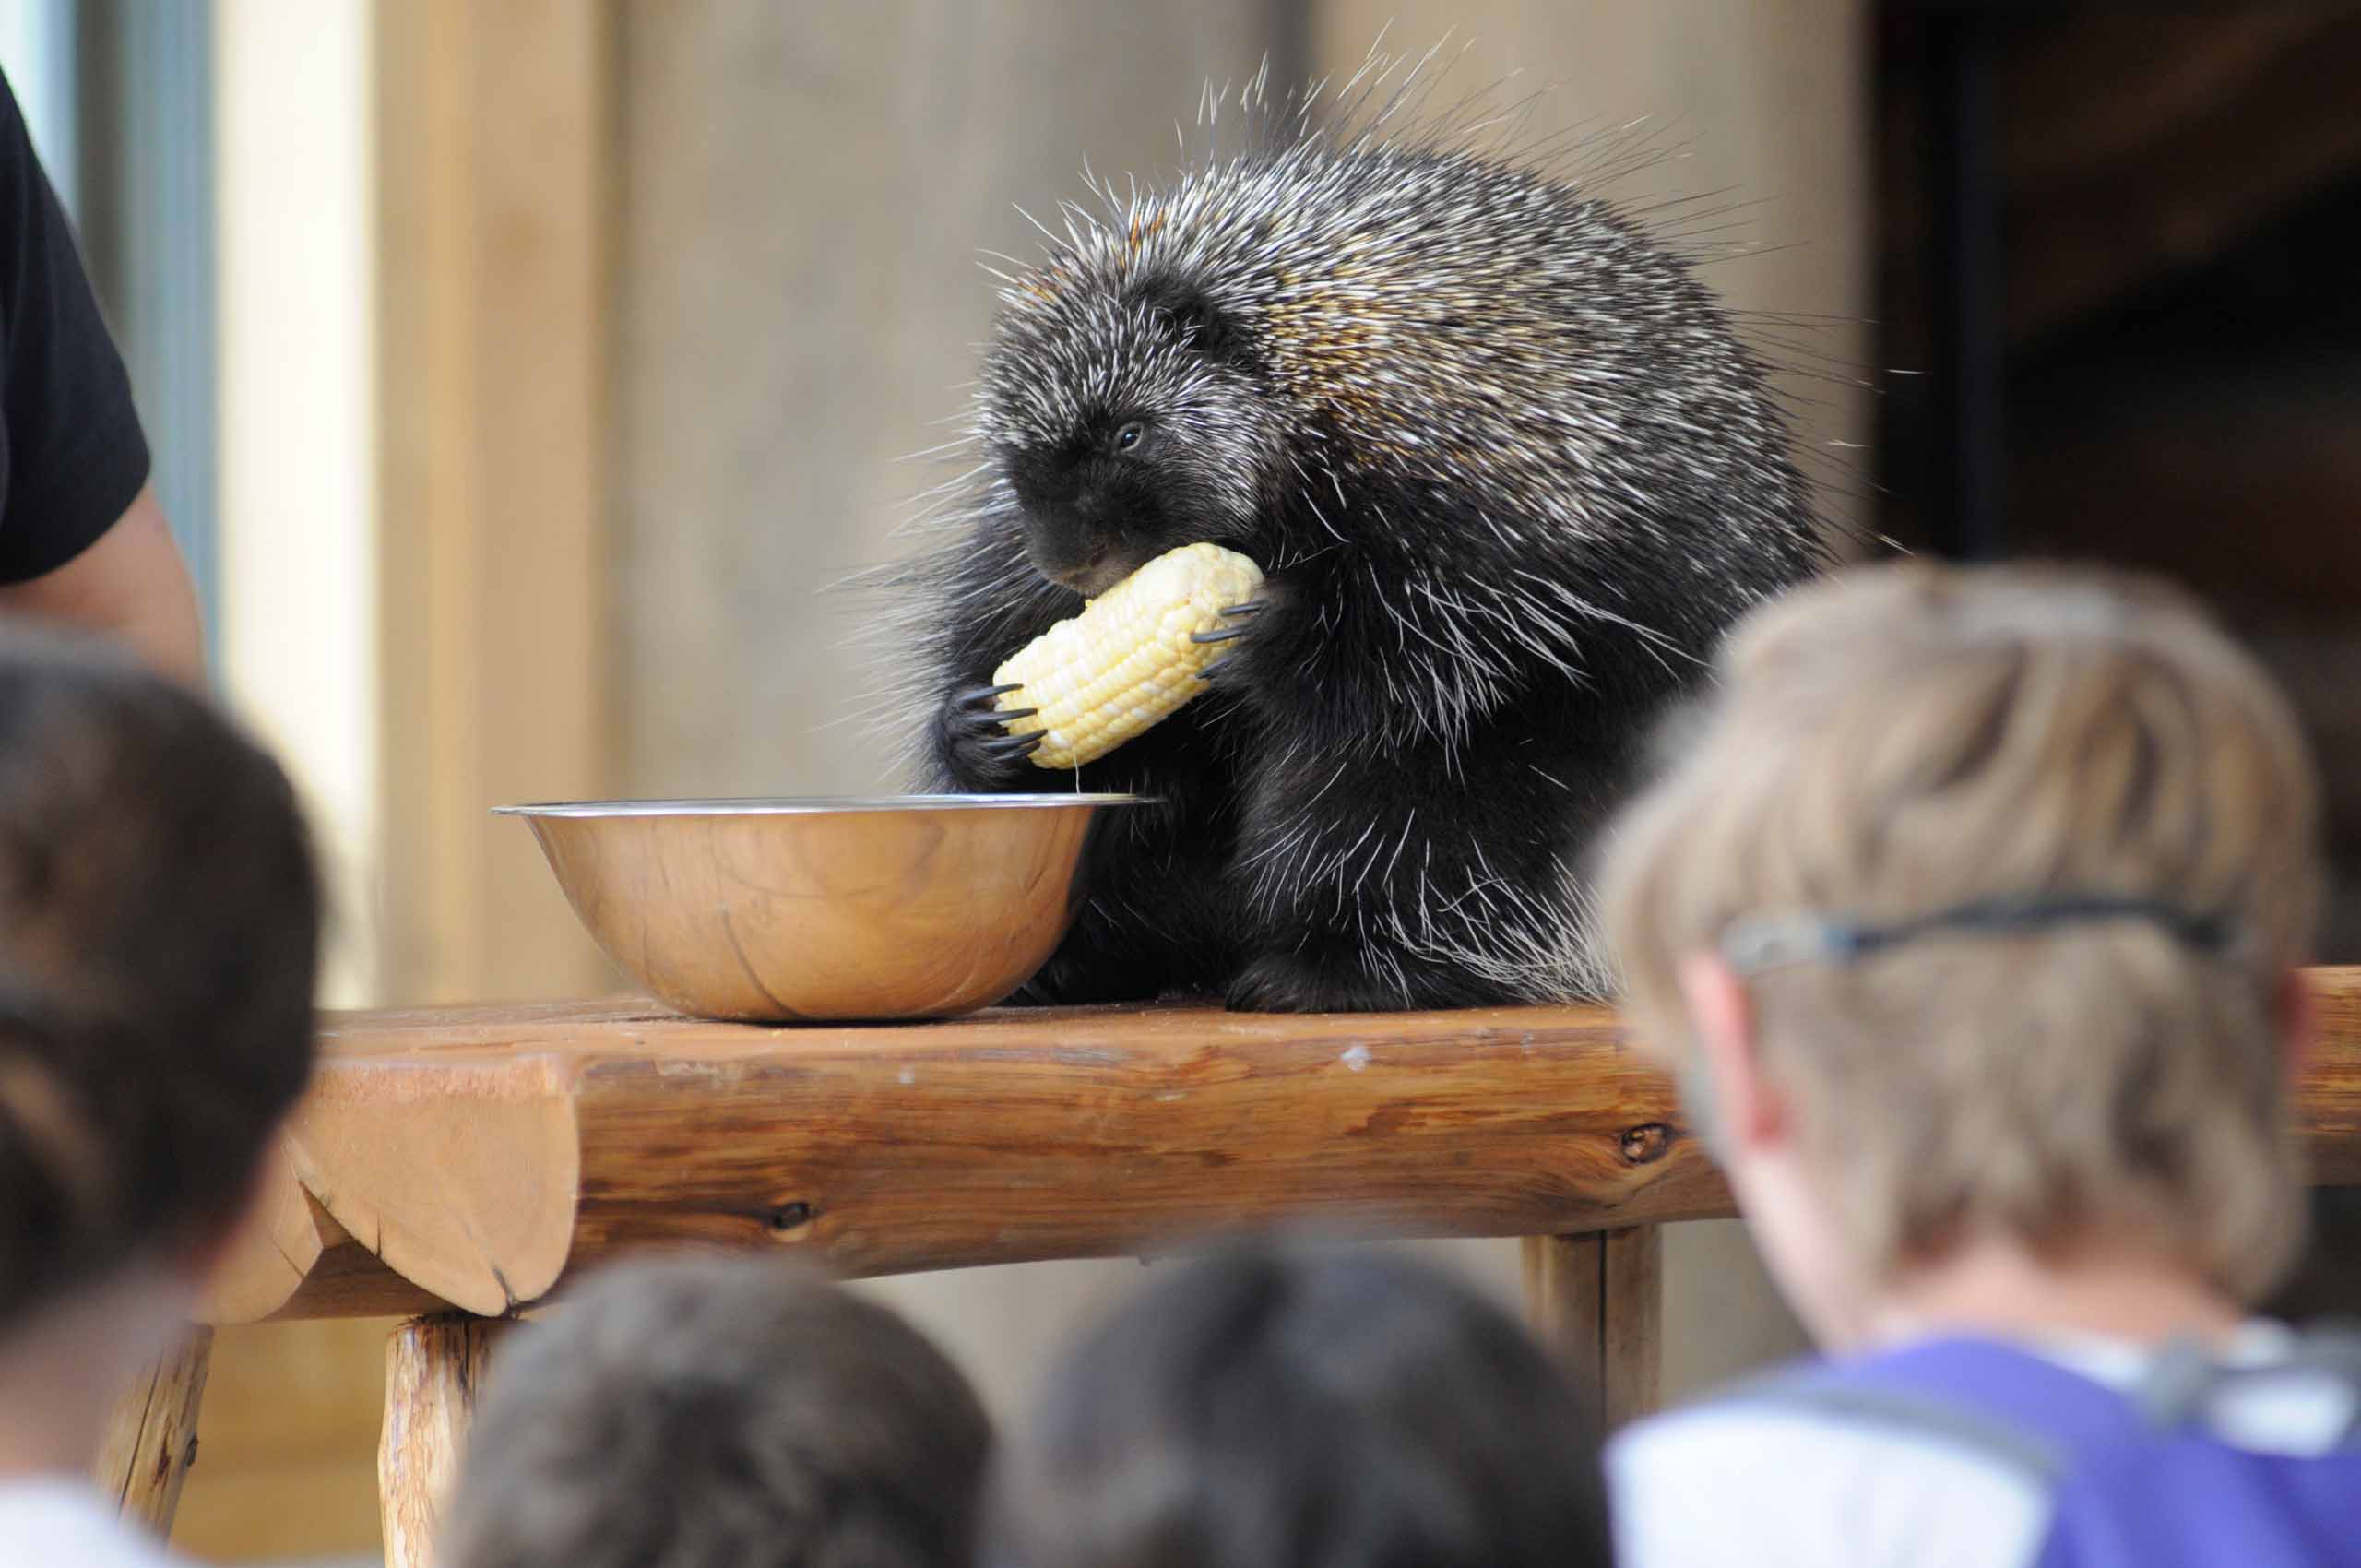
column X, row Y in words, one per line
column 1904, row 740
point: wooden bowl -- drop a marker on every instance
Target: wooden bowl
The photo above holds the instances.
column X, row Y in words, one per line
column 840, row 909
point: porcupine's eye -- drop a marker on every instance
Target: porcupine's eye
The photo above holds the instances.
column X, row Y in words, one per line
column 1128, row 437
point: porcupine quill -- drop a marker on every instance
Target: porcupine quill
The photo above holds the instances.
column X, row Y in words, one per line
column 1509, row 473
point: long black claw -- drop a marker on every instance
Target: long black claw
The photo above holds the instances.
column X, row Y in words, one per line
column 983, row 694
column 1010, row 716
column 1015, row 745
column 1221, row 636
column 1251, row 607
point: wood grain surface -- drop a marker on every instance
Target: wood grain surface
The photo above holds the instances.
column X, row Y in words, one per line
column 472, row 1156
column 1597, row 1301
column 434, row 1367
column 150, row 1438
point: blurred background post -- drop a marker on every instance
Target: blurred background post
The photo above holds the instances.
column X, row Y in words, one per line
column 520, row 370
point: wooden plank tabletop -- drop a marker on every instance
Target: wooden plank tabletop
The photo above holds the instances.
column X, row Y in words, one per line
column 470, row 1156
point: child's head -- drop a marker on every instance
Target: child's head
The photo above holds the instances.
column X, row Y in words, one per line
column 158, row 925
column 2108, row 811
column 1275, row 1409
column 711, row 1412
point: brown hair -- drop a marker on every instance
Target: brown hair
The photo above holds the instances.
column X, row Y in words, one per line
column 159, row 934
column 702, row 1409
column 1910, row 739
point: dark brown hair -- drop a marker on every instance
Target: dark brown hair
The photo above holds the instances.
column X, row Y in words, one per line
column 159, row 937
column 1273, row 1408
column 705, row 1410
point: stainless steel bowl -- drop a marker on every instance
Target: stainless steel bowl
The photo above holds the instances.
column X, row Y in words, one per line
column 895, row 907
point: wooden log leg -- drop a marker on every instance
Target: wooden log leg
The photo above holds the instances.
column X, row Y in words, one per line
column 1597, row 1300
column 151, row 1435
column 434, row 1367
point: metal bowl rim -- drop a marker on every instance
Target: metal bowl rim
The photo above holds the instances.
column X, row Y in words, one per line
column 810, row 805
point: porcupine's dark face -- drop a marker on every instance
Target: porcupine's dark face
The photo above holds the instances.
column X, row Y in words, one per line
column 1125, row 427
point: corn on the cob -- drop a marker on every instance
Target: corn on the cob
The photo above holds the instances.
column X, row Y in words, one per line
column 1128, row 660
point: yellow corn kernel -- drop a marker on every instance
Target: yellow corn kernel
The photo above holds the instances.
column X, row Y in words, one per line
column 1127, row 661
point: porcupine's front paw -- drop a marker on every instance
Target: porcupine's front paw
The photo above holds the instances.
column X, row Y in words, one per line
column 976, row 745
column 1243, row 631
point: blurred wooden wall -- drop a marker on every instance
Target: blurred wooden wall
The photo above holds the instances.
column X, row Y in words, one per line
column 493, row 168
column 495, row 164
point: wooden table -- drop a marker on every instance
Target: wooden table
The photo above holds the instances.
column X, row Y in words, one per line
column 454, row 1165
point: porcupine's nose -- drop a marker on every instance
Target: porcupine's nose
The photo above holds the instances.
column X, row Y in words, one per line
column 1064, row 548
column 1069, row 534
column 1097, row 559
column 1096, row 577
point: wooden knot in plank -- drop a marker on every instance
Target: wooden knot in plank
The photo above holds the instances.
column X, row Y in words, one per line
column 1646, row 1144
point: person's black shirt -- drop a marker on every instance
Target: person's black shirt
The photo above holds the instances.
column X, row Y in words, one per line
column 72, row 455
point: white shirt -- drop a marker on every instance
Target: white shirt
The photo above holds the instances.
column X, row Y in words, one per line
column 63, row 1522
column 1756, row 1486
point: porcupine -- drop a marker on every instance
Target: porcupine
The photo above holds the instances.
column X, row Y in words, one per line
column 1508, row 472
